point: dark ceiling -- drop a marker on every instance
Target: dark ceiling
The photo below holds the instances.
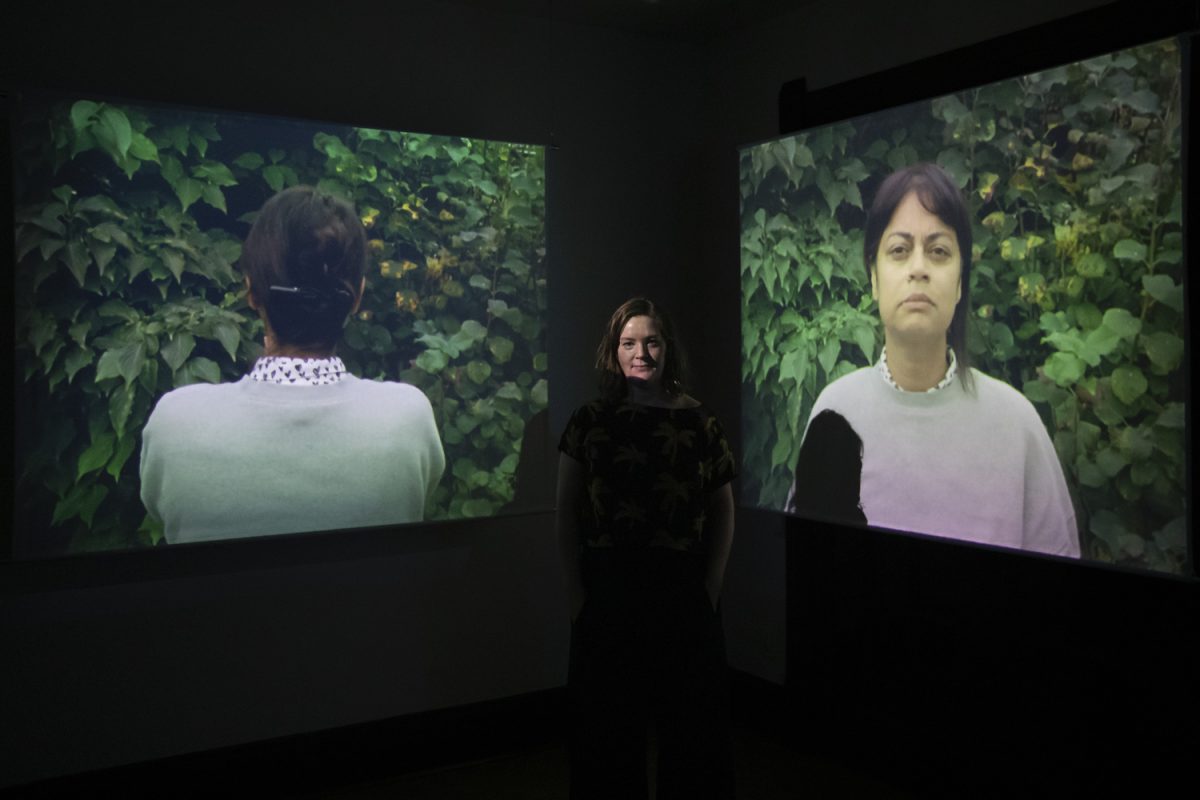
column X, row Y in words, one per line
column 681, row 20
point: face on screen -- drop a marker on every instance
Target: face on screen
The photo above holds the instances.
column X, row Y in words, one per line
column 916, row 275
column 1048, row 413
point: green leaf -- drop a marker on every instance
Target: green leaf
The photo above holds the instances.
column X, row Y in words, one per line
column 1111, row 462
column 479, row 371
column 1128, row 383
column 123, row 361
column 540, row 362
column 120, row 404
column 828, row 355
column 864, row 337
column 539, row 394
column 249, row 161
column 1142, row 100
column 174, row 261
column 1122, row 323
column 142, row 148
column 432, row 361
column 1163, row 289
column 274, row 175
column 176, row 351
column 1092, row 265
column 214, row 197
column 77, row 258
column 96, row 455
column 509, row 391
column 76, row 360
column 1129, row 250
column 81, row 501
column 230, row 337
column 1065, row 369
column 188, row 190
column 114, row 132
column 1165, row 350
column 1172, row 416
column 501, row 348
column 473, row 330
column 81, row 114
column 1108, row 527
column 198, row 370
column 124, row 450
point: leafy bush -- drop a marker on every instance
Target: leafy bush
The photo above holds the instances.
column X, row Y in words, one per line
column 129, row 225
column 1074, row 178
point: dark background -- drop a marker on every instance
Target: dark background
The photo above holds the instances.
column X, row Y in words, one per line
column 947, row 662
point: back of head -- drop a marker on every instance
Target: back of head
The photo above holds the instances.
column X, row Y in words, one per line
column 305, row 257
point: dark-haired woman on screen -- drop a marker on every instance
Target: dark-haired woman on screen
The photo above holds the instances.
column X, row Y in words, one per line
column 645, row 524
column 947, row 450
column 298, row 444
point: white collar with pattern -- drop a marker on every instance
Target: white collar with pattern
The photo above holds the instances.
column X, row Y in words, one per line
column 290, row 371
column 951, row 372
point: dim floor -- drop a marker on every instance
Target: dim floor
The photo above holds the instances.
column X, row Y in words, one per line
column 767, row 769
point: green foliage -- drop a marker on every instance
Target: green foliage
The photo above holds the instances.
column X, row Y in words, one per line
column 129, row 226
column 1074, row 178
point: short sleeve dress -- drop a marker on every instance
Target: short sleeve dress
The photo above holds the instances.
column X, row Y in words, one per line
column 647, row 642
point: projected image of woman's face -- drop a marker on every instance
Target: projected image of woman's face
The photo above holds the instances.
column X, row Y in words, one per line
column 917, row 274
column 640, row 350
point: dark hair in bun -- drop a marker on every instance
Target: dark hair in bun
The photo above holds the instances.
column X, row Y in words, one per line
column 305, row 256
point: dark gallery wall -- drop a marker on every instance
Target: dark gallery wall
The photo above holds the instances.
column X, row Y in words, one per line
column 130, row 657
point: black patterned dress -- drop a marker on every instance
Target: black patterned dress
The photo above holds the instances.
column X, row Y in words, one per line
column 647, row 644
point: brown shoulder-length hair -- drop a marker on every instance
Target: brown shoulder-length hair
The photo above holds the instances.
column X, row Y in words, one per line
column 940, row 196
column 674, row 365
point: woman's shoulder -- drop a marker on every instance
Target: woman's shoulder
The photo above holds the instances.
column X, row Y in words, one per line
column 197, row 394
column 395, row 394
column 850, row 385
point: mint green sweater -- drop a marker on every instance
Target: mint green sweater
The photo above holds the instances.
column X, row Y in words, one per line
column 251, row 458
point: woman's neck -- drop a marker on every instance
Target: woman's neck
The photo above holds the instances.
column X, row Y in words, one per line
column 654, row 395
column 917, row 366
column 648, row 394
column 273, row 347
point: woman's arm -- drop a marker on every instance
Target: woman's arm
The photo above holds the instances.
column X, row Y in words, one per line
column 719, row 529
column 566, row 527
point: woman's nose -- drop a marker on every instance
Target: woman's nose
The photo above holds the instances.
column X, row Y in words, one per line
column 917, row 267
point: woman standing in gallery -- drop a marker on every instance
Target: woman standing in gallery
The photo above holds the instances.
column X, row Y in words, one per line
column 946, row 449
column 645, row 525
column 298, row 444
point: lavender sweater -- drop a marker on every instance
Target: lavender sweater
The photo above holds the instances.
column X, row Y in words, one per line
column 973, row 465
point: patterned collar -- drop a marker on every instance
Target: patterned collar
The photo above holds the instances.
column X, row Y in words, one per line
column 289, row 371
column 951, row 372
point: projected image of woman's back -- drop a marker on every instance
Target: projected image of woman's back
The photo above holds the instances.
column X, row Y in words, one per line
column 987, row 287
column 132, row 283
